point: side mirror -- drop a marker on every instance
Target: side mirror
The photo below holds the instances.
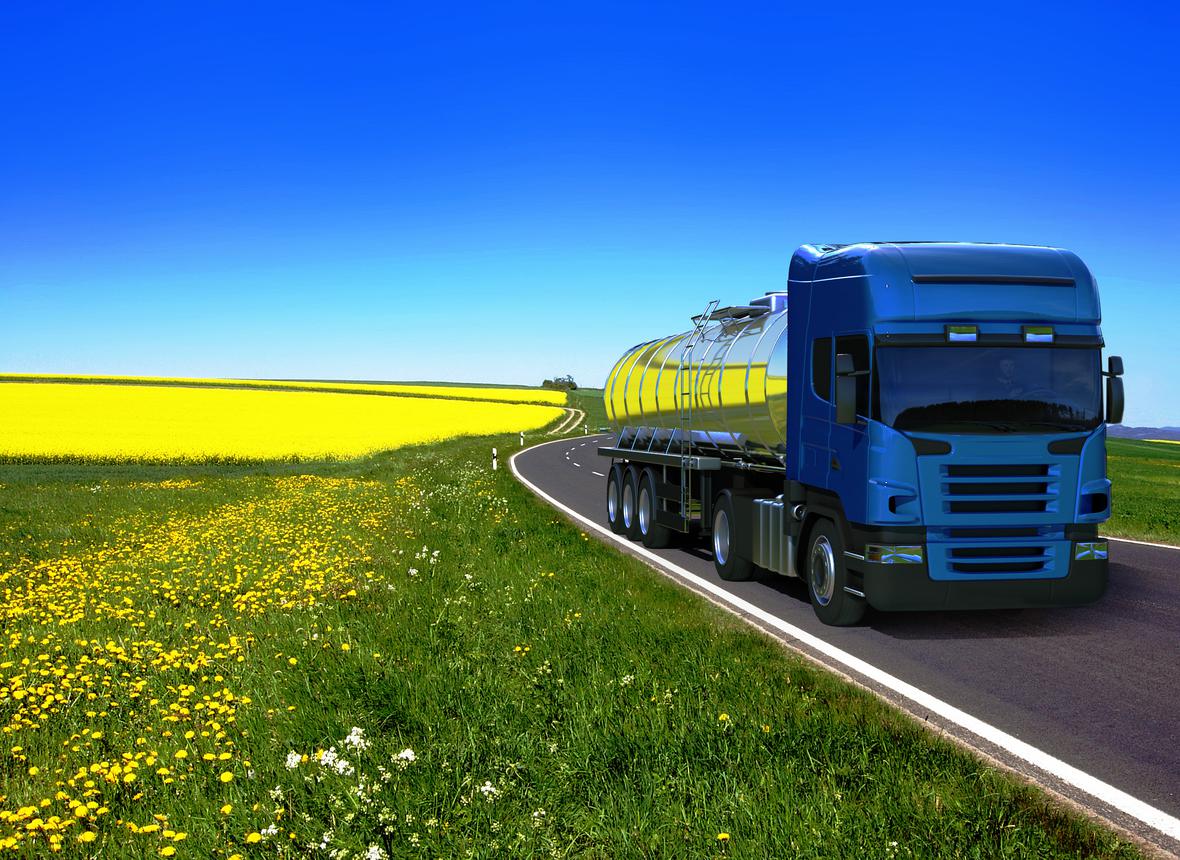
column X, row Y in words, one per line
column 1114, row 390
column 1115, row 401
column 845, row 389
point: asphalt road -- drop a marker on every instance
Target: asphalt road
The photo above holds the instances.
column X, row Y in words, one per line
column 1097, row 687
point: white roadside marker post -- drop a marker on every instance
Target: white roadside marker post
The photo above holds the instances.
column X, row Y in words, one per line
column 522, row 438
column 495, row 462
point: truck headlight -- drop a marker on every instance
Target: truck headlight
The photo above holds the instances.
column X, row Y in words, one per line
column 1089, row 550
column 892, row 554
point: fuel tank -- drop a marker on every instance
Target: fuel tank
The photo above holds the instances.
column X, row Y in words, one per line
column 729, row 392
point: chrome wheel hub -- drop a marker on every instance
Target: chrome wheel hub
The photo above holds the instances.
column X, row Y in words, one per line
column 721, row 537
column 821, row 571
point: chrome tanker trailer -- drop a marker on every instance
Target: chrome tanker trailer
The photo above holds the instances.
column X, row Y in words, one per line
column 906, row 426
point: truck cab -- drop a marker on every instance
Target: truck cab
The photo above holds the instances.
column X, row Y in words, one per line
column 949, row 422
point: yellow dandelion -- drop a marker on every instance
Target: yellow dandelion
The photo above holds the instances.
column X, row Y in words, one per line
column 226, row 776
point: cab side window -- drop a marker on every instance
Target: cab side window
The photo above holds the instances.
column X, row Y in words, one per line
column 857, row 345
column 821, row 367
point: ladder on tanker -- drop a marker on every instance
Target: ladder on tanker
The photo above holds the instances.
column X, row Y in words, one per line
column 685, row 395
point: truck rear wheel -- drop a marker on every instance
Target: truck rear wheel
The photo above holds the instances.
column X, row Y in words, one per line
column 630, row 495
column 731, row 566
column 826, row 575
column 653, row 535
column 614, row 499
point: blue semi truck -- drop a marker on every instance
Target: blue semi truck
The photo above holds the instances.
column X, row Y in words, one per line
column 908, row 426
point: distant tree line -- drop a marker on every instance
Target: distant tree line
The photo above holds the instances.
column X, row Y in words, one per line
column 560, row 383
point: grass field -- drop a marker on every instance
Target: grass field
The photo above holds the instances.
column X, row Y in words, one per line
column 1146, row 490
column 589, row 400
column 408, row 655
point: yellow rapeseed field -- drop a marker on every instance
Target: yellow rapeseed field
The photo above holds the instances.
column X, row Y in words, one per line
column 187, row 423
column 464, row 392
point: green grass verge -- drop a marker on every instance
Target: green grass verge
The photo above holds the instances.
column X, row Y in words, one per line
column 1146, row 490
column 589, row 400
column 560, row 699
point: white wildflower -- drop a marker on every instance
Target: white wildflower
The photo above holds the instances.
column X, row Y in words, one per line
column 375, row 852
column 331, row 759
column 356, row 739
column 293, row 760
column 488, row 790
column 405, row 758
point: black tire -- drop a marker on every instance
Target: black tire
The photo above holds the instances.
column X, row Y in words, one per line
column 630, row 495
column 614, row 499
column 653, row 535
column 726, row 537
column 826, row 574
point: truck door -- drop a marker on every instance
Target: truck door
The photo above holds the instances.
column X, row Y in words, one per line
column 849, row 442
column 815, row 426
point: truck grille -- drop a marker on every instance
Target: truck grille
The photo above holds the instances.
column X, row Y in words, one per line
column 999, row 489
column 998, row 553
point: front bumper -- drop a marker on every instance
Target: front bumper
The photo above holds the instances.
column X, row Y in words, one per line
column 896, row 587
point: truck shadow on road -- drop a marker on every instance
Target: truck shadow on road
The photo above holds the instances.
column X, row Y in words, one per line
column 1083, row 621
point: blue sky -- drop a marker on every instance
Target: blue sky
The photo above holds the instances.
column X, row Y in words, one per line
column 502, row 193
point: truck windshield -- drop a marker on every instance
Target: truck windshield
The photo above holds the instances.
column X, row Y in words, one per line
column 988, row 389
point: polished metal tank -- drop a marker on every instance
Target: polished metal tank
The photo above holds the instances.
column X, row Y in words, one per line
column 737, row 376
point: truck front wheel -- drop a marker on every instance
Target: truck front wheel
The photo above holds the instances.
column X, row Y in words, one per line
column 827, row 574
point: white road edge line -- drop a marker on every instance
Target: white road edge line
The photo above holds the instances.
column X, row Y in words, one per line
column 1141, row 542
column 1079, row 779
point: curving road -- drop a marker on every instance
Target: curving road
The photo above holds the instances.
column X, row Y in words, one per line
column 1097, row 688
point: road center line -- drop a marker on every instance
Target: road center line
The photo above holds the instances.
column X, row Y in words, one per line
column 1079, row 779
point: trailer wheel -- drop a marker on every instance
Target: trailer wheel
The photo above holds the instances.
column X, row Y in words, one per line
column 614, row 499
column 653, row 535
column 731, row 566
column 630, row 495
column 827, row 574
